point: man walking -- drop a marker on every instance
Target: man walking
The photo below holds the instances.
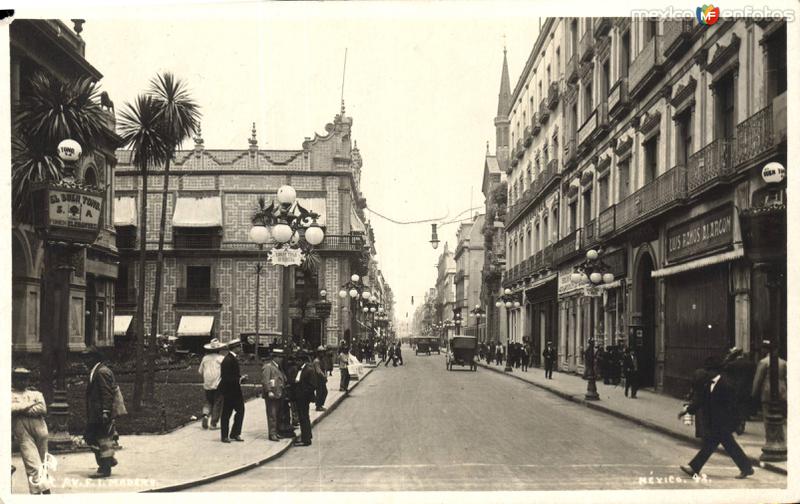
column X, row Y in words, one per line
column 273, row 383
column 549, row 356
column 718, row 402
column 390, row 356
column 28, row 426
column 210, row 371
column 630, row 369
column 100, row 430
column 231, row 387
column 398, row 353
column 344, row 375
column 306, row 380
column 322, row 380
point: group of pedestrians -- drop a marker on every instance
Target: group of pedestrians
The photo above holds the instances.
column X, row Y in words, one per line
column 517, row 355
column 393, row 353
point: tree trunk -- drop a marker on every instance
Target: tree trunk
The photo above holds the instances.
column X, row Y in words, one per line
column 138, row 384
column 152, row 353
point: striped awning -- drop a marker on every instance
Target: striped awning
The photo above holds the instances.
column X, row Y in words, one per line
column 121, row 324
column 316, row 205
column 356, row 225
column 125, row 211
column 699, row 263
column 196, row 325
column 198, row 212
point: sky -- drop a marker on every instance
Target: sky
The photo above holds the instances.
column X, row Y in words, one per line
column 420, row 83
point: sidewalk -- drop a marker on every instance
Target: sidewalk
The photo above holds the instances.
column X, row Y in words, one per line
column 655, row 411
column 182, row 458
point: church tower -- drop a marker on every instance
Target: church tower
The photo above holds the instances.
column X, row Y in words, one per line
column 501, row 121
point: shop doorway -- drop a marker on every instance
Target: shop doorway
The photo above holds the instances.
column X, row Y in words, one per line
column 643, row 327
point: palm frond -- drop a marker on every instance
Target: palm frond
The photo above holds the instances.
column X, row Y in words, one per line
column 179, row 113
column 141, row 130
column 29, row 166
column 311, row 263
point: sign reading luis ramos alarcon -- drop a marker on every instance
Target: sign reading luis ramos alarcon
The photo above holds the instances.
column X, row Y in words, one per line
column 710, row 231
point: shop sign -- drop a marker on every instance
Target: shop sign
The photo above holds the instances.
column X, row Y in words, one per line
column 67, row 213
column 592, row 291
column 565, row 283
column 710, row 231
column 286, row 256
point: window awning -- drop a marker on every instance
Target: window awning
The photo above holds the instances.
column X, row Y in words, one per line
column 121, row 324
column 125, row 211
column 316, row 205
column 196, row 325
column 699, row 263
column 198, row 212
column 356, row 225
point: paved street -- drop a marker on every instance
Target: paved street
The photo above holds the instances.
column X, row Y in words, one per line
column 419, row 427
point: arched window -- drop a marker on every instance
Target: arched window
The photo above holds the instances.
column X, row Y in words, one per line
column 90, row 176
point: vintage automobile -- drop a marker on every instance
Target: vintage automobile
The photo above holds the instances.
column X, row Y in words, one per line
column 461, row 351
column 426, row 346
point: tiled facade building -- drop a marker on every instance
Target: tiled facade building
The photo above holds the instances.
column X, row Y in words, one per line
column 210, row 265
column 51, row 47
column 643, row 138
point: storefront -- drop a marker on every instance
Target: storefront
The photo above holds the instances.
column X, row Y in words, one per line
column 570, row 320
column 542, row 315
column 699, row 305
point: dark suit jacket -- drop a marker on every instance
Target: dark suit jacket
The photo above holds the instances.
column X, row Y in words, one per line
column 307, row 385
column 229, row 378
column 100, row 394
column 718, row 407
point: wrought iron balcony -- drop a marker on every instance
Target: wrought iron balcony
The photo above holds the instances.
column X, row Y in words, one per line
column 709, row 165
column 520, row 149
column 570, row 153
column 587, row 46
column 196, row 241
column 666, row 191
column 572, row 69
column 547, row 258
column 677, row 35
column 618, row 101
column 536, row 260
column 127, row 296
column 331, row 243
column 553, row 94
column 595, row 125
column 647, row 67
column 602, row 26
column 590, row 236
column 761, row 132
column 544, row 111
column 552, row 166
column 528, row 136
column 567, row 247
column 536, row 125
column 195, row 295
column 606, row 221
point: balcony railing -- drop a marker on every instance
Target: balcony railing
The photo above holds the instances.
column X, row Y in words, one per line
column 710, row 164
column 570, row 153
column 618, row 97
column 572, row 69
column 127, row 296
column 756, row 135
column 201, row 242
column 544, row 111
column 335, row 243
column 553, row 94
column 552, row 166
column 606, row 221
column 589, row 237
column 567, row 247
column 520, row 149
column 537, row 260
column 197, row 295
column 536, row 125
column 646, row 66
column 594, row 125
column 677, row 34
column 528, row 136
column 587, row 45
column 602, row 26
column 667, row 190
column 547, row 258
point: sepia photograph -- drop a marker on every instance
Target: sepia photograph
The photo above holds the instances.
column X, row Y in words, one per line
column 406, row 251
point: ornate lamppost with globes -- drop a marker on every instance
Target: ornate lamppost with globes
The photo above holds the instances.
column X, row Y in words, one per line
column 457, row 320
column 357, row 292
column 508, row 300
column 477, row 312
column 323, row 309
column 295, row 232
column 592, row 273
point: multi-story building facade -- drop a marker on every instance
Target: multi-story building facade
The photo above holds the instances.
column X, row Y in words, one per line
column 446, row 289
column 469, row 260
column 210, row 266
column 51, row 47
column 666, row 127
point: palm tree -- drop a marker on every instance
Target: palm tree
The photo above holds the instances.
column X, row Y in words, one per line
column 178, row 116
column 51, row 111
column 141, row 130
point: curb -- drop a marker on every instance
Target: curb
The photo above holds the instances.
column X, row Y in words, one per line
column 238, row 470
column 644, row 423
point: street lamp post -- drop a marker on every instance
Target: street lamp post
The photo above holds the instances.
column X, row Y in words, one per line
column 457, row 321
column 477, row 312
column 259, row 234
column 323, row 309
column 358, row 293
column 592, row 272
column 509, row 300
column 296, row 233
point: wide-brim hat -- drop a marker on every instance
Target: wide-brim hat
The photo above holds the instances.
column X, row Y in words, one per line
column 233, row 343
column 20, row 372
column 214, row 344
column 320, row 348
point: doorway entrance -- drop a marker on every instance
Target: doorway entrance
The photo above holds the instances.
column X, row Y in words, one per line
column 643, row 326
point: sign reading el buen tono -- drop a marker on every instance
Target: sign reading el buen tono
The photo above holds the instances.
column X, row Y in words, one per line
column 68, row 214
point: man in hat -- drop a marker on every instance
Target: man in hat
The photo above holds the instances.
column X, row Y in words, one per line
column 273, row 382
column 322, row 379
column 231, row 387
column 210, row 371
column 549, row 356
column 630, row 370
column 100, row 430
column 28, row 426
column 344, row 375
column 306, row 386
